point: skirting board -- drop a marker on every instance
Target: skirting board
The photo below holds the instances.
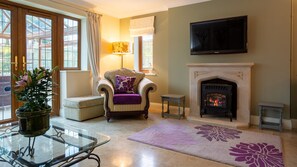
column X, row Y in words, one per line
column 287, row 123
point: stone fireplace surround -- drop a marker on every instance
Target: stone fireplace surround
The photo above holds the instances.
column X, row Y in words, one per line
column 240, row 73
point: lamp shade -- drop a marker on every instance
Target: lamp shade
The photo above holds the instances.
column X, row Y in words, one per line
column 120, row 47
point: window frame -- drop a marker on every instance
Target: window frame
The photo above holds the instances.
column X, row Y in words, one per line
column 140, row 55
column 78, row 42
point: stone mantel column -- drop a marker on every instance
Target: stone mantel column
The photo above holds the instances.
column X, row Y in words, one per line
column 240, row 73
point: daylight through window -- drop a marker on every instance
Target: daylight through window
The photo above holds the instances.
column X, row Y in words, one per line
column 5, row 43
column 71, row 54
column 147, row 52
column 39, row 42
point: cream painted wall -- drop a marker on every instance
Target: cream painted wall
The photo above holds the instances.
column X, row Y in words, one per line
column 269, row 35
column 128, row 59
column 160, row 52
column 110, row 32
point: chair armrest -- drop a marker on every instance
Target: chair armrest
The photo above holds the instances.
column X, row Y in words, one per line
column 105, row 84
column 146, row 84
column 105, row 87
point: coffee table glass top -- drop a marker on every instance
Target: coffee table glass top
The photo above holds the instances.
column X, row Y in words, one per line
column 59, row 144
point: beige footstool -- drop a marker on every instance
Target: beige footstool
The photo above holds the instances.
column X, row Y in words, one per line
column 82, row 108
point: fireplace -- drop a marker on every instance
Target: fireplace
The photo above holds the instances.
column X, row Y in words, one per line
column 238, row 73
column 218, row 97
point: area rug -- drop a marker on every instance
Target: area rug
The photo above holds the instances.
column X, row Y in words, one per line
column 226, row 145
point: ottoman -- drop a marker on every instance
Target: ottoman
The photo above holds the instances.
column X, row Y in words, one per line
column 83, row 108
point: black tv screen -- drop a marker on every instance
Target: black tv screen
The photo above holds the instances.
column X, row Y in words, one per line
column 221, row 36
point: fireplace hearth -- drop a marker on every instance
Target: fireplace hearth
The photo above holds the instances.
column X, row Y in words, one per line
column 218, row 97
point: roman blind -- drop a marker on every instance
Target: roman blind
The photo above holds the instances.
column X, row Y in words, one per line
column 142, row 26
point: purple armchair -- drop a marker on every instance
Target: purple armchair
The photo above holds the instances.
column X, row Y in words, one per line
column 131, row 102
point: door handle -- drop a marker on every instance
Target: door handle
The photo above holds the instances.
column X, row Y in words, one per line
column 15, row 63
column 24, row 63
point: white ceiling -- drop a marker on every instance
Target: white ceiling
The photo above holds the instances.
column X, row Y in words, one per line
column 129, row 8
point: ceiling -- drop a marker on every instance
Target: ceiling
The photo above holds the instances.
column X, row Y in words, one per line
column 129, row 8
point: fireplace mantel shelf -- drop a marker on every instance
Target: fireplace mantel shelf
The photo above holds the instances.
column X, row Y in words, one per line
column 220, row 64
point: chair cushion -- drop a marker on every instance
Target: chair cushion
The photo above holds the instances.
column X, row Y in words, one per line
column 126, row 99
column 110, row 75
column 124, row 84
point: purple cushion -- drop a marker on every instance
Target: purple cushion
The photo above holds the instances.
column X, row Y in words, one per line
column 126, row 99
column 124, row 84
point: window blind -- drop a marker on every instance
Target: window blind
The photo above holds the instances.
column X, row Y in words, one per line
column 142, row 26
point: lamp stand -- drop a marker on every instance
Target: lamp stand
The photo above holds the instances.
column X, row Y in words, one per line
column 122, row 60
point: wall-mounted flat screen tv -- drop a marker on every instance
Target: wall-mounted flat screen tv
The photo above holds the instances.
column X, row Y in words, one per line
column 221, row 36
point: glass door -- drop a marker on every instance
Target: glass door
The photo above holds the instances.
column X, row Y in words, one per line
column 8, row 63
column 26, row 41
column 39, row 42
column 5, row 67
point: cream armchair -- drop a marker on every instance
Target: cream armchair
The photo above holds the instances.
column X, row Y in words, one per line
column 116, row 104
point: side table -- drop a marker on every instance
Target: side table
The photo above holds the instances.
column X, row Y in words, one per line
column 179, row 99
column 267, row 107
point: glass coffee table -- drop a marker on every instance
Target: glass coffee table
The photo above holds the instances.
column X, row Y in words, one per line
column 61, row 145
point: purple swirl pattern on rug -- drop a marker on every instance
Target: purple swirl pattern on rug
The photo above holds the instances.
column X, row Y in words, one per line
column 218, row 133
column 257, row 155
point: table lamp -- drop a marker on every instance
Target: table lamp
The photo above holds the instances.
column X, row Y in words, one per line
column 120, row 48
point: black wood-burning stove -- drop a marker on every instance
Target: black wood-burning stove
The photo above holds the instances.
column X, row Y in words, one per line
column 218, row 97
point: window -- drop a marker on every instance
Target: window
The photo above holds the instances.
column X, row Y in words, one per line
column 71, row 58
column 145, row 53
column 39, row 42
column 142, row 29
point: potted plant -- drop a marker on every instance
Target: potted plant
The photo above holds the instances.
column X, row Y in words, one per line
column 34, row 89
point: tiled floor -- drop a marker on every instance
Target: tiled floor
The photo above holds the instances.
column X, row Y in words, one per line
column 120, row 152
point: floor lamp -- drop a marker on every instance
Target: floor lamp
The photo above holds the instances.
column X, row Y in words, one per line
column 120, row 48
